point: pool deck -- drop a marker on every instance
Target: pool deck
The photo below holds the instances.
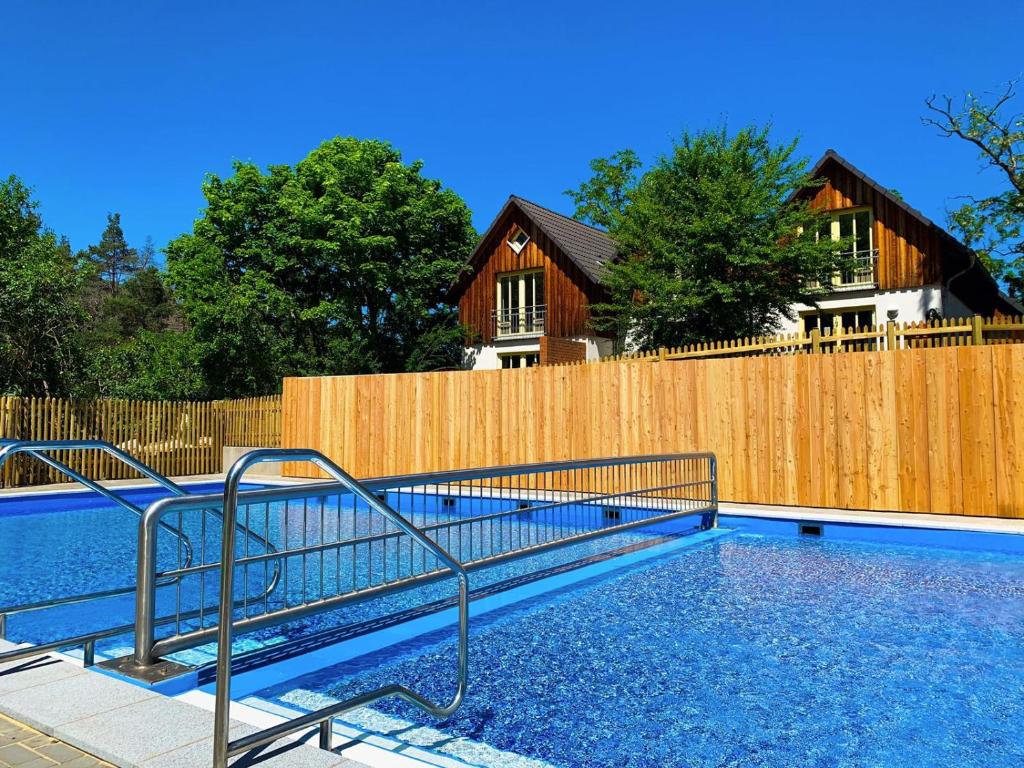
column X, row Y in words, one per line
column 123, row 724
column 819, row 514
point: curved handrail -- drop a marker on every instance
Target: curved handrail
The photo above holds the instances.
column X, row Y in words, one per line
column 37, row 449
column 223, row 747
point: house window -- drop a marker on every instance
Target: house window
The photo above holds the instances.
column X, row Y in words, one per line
column 856, row 227
column 519, row 240
column 842, row 320
column 523, row 360
column 520, row 302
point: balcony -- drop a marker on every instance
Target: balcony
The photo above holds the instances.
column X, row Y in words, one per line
column 861, row 274
column 519, row 323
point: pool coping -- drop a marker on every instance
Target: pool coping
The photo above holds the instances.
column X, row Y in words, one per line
column 870, row 517
column 114, row 720
column 746, row 509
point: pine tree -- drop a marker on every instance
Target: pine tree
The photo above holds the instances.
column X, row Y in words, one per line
column 113, row 260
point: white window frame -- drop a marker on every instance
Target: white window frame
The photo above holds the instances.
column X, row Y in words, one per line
column 521, row 359
column 837, row 316
column 513, row 242
column 528, row 316
column 864, row 275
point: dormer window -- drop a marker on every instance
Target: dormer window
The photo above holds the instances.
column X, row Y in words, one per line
column 519, row 240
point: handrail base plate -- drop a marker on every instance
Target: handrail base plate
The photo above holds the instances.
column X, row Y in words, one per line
column 152, row 674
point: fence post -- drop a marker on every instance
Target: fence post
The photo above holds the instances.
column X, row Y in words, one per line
column 662, row 351
column 815, row 341
column 976, row 336
column 890, row 335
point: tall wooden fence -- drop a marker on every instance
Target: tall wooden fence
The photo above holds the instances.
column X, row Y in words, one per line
column 916, row 430
column 972, row 331
column 175, row 438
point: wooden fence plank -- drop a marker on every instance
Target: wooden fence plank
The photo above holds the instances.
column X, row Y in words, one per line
column 929, row 429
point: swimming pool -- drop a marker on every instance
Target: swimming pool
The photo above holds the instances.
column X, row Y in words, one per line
column 747, row 645
column 57, row 545
column 871, row 647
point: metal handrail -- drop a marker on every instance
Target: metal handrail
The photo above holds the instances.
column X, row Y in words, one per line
column 519, row 321
column 148, row 649
column 37, row 450
column 223, row 746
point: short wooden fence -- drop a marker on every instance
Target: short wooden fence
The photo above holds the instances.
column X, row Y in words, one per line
column 174, row 437
column 949, row 332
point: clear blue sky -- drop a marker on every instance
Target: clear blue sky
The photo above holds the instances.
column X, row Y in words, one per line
column 124, row 106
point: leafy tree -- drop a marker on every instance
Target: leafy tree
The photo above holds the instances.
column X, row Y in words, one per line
column 149, row 366
column 143, row 303
column 601, row 201
column 39, row 309
column 993, row 226
column 340, row 264
column 714, row 243
column 113, row 260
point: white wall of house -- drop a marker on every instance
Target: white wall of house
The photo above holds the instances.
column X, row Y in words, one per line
column 909, row 305
column 486, row 357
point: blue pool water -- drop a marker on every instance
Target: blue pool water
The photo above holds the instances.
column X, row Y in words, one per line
column 59, row 545
column 866, row 647
column 752, row 650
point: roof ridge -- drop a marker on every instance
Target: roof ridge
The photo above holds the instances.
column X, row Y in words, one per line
column 521, row 199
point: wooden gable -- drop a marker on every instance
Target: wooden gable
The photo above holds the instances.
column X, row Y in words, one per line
column 568, row 291
column 909, row 246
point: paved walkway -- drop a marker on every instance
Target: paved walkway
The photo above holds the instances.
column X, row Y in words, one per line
column 22, row 747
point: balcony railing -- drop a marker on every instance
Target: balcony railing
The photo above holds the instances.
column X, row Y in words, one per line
column 859, row 274
column 522, row 321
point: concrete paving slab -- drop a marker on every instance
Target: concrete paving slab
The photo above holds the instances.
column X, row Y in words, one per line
column 50, row 705
column 28, row 673
column 281, row 755
column 131, row 735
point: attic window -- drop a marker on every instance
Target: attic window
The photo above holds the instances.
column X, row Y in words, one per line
column 519, row 241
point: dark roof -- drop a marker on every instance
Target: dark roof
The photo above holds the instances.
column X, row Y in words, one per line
column 969, row 261
column 587, row 247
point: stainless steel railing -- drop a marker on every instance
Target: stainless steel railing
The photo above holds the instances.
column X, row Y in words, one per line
column 224, row 747
column 341, row 542
column 334, row 551
column 40, row 450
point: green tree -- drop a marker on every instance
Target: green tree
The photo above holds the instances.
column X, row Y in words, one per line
column 40, row 313
column 601, row 200
column 714, row 243
column 340, row 264
column 113, row 260
column 143, row 303
column 994, row 225
column 149, row 366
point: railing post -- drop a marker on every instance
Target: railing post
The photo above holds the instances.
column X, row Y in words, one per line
column 713, row 467
column 977, row 338
column 145, row 589
column 325, row 734
column 890, row 335
column 3, row 626
column 89, row 653
column 225, row 625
